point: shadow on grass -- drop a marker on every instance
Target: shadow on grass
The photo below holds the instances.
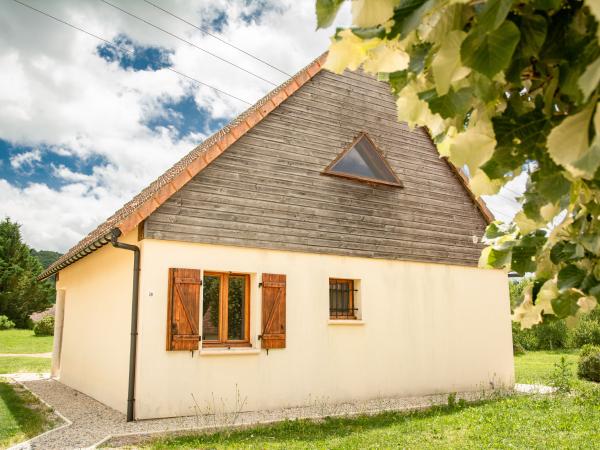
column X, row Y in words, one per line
column 30, row 415
column 310, row 430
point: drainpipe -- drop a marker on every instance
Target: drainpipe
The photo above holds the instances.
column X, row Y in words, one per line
column 134, row 317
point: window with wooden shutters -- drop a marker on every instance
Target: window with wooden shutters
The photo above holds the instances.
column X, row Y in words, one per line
column 273, row 311
column 183, row 313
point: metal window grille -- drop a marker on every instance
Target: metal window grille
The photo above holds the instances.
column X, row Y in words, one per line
column 341, row 299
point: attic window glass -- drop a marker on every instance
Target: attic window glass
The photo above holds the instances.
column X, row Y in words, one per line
column 362, row 161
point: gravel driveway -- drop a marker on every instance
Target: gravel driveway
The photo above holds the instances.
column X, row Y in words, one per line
column 89, row 422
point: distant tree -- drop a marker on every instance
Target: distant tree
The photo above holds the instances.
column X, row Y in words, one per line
column 46, row 257
column 20, row 292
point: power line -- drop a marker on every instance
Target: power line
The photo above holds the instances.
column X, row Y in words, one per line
column 512, row 192
column 188, row 42
column 118, row 47
column 205, row 31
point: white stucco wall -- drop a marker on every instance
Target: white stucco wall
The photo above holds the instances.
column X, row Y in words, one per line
column 94, row 355
column 427, row 328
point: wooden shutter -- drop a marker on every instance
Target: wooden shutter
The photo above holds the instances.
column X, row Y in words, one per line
column 273, row 311
column 183, row 314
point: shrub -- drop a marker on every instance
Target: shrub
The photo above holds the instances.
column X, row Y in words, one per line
column 562, row 377
column 44, row 327
column 589, row 349
column 518, row 349
column 588, row 367
column 588, row 395
column 6, row 323
column 548, row 335
column 523, row 339
column 551, row 334
column 515, row 289
column 586, row 332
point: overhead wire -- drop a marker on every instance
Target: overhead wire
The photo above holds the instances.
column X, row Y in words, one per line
column 208, row 33
column 126, row 50
column 512, row 192
column 188, row 42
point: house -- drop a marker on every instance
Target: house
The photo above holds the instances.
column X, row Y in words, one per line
column 314, row 248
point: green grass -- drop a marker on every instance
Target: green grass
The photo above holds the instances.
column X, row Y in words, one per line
column 24, row 341
column 551, row 421
column 14, row 364
column 22, row 416
column 537, row 367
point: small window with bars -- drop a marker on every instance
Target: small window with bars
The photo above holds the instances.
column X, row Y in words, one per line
column 342, row 303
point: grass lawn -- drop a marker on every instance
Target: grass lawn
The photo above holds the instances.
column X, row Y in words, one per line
column 551, row 421
column 15, row 364
column 536, row 367
column 22, row 416
column 24, row 341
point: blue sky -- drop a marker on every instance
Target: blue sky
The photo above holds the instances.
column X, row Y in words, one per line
column 84, row 127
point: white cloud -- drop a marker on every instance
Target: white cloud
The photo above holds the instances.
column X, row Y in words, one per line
column 25, row 159
column 57, row 92
column 504, row 205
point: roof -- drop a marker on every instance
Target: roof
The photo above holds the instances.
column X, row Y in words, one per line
column 148, row 200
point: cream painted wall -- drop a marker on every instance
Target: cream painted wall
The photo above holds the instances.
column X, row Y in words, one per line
column 96, row 327
column 427, row 328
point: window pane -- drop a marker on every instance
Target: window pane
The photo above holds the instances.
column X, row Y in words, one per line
column 364, row 160
column 210, row 307
column 236, row 320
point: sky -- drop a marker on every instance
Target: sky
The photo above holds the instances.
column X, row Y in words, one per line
column 85, row 125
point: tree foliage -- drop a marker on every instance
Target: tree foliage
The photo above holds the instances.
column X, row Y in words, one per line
column 505, row 88
column 20, row 293
column 46, row 257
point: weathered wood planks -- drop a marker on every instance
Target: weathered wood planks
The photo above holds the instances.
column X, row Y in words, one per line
column 268, row 190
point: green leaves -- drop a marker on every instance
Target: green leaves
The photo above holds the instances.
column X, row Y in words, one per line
column 447, row 66
column 546, row 5
column 407, row 16
column 564, row 251
column 525, row 130
column 503, row 161
column 570, row 276
column 565, row 304
column 523, row 254
column 533, row 34
column 490, row 52
column 493, row 14
column 568, row 143
column 450, row 105
column 20, row 293
column 591, row 242
column 367, row 13
column 398, row 80
column 326, row 11
column 509, row 89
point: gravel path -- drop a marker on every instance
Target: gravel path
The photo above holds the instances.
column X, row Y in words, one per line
column 90, row 423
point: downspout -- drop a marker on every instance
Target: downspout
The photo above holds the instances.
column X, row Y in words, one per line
column 134, row 317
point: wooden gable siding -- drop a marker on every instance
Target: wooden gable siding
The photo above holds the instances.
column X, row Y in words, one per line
column 268, row 190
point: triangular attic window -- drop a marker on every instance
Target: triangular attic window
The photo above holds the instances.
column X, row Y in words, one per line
column 363, row 162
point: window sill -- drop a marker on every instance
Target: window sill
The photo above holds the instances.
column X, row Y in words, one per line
column 229, row 351
column 345, row 322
